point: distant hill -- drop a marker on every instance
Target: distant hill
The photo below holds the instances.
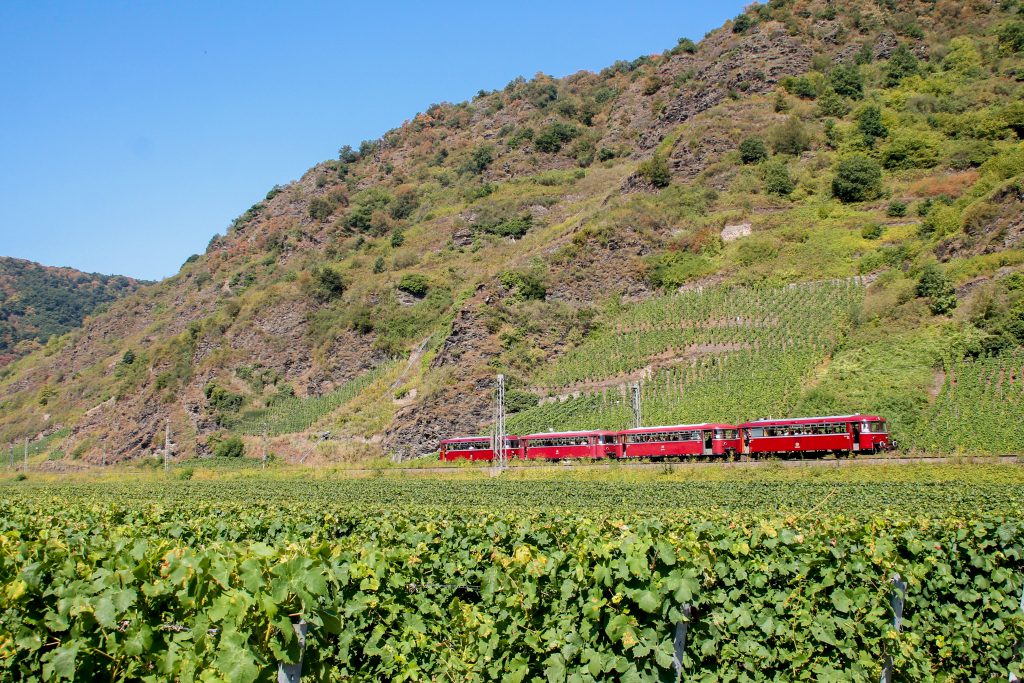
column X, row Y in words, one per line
column 660, row 221
column 38, row 302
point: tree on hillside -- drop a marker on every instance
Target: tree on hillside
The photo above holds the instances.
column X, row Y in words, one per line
column 936, row 287
column 753, row 150
column 869, row 123
column 858, row 178
column 847, row 81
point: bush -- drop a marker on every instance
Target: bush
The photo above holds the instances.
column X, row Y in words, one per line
column 232, row 447
column 831, row 104
column 320, row 209
column 897, row 209
column 685, row 45
column 847, row 81
column 415, row 284
column 790, row 138
column 528, row 285
column 397, row 238
column 128, row 358
column 741, row 23
column 327, row 283
column 517, row 401
column 872, row 231
column 511, row 226
column 936, row 287
column 901, row 64
column 1011, row 37
column 554, row 136
column 776, row 178
column 221, row 400
column 479, row 160
column 858, row 179
column 869, row 123
column 655, row 171
column 801, row 86
column 753, row 150
column 378, row 265
column 910, row 151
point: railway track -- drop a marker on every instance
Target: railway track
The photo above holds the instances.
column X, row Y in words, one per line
column 619, row 464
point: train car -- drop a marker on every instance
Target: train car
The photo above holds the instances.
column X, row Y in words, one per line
column 477, row 448
column 855, row 433
column 706, row 439
column 596, row 443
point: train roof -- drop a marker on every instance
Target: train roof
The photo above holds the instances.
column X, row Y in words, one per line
column 676, row 428
column 557, row 435
column 474, row 439
column 854, row 417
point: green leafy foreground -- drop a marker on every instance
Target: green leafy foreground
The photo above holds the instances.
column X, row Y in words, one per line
column 509, row 580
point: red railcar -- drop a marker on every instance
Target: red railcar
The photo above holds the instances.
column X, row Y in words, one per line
column 478, row 448
column 706, row 439
column 558, row 445
column 834, row 433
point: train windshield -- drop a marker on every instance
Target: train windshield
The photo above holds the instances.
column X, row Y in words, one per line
column 725, row 433
column 874, row 427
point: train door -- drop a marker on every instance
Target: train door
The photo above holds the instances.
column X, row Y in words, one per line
column 855, row 428
column 708, row 441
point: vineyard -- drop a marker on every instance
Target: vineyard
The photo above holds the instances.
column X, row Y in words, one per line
column 979, row 407
column 296, row 414
column 569, row 581
column 721, row 354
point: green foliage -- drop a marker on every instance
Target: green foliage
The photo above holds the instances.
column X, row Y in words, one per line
column 847, row 81
column 871, row 231
column 128, row 358
column 527, row 285
column 364, row 205
column 286, row 413
column 673, row 269
column 902, row 63
column 479, row 159
column 505, row 224
column 790, row 138
column 1011, row 37
column 222, row 403
column 231, row 447
column 753, row 150
column 415, row 284
column 685, row 45
column 328, row 283
column 555, row 135
column 378, row 265
column 516, row 401
column 802, row 86
column 656, row 171
column 857, row 178
column 205, row 581
column 896, row 209
column 910, row 150
column 397, row 240
column 869, row 123
column 776, row 178
column 934, row 285
column 831, row 103
column 963, row 58
column 320, row 208
column 742, row 23
column 37, row 303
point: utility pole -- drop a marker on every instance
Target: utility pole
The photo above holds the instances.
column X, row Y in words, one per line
column 167, row 446
column 500, row 456
column 635, row 400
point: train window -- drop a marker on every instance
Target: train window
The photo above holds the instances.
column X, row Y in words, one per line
column 725, row 433
column 874, row 427
column 756, row 432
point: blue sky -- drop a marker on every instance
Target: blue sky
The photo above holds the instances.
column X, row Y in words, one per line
column 132, row 132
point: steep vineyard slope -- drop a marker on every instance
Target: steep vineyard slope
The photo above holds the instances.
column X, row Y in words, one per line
column 544, row 230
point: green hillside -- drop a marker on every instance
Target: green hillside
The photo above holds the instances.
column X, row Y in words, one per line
column 545, row 231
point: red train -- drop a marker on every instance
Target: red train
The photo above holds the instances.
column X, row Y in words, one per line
column 846, row 434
